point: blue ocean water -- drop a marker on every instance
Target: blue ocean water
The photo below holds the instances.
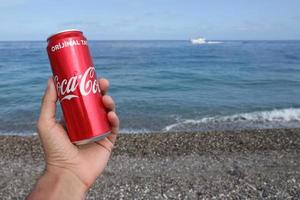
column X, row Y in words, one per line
column 167, row 85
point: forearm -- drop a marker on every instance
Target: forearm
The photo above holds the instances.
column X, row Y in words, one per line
column 58, row 185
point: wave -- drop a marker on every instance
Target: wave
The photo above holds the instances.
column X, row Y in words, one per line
column 18, row 133
column 214, row 42
column 122, row 131
column 133, row 131
column 289, row 117
column 277, row 118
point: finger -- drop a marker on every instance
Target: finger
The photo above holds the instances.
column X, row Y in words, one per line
column 108, row 103
column 48, row 107
column 115, row 123
column 106, row 144
column 104, row 85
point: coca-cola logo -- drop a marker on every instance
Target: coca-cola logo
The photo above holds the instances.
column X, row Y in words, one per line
column 86, row 82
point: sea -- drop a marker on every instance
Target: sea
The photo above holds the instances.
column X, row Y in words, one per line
column 167, row 86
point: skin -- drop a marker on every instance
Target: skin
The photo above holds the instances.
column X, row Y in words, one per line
column 70, row 170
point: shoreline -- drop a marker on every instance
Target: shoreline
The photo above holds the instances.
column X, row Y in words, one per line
column 259, row 163
column 180, row 143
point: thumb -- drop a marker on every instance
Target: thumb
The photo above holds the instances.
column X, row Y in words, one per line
column 48, row 107
column 53, row 136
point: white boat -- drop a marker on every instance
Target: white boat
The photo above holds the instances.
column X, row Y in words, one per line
column 198, row 41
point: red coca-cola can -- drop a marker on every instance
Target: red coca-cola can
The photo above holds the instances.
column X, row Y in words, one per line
column 77, row 87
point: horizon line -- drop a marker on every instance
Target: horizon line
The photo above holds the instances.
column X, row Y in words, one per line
column 159, row 40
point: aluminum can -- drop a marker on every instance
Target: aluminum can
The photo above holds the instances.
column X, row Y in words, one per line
column 77, row 87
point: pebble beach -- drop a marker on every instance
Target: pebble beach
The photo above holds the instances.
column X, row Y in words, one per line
column 246, row 164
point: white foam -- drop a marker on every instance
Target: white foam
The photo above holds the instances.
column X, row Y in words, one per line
column 214, row 42
column 26, row 133
column 274, row 116
column 132, row 131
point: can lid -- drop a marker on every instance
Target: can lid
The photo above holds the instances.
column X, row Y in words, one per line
column 63, row 31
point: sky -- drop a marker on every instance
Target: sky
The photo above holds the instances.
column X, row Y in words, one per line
column 152, row 19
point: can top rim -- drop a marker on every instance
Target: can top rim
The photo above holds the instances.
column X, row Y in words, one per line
column 63, row 31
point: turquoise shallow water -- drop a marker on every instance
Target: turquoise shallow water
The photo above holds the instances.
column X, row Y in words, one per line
column 168, row 85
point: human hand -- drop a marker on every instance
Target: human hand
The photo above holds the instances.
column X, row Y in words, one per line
column 70, row 170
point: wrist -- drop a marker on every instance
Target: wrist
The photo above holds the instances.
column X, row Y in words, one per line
column 58, row 183
column 67, row 180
